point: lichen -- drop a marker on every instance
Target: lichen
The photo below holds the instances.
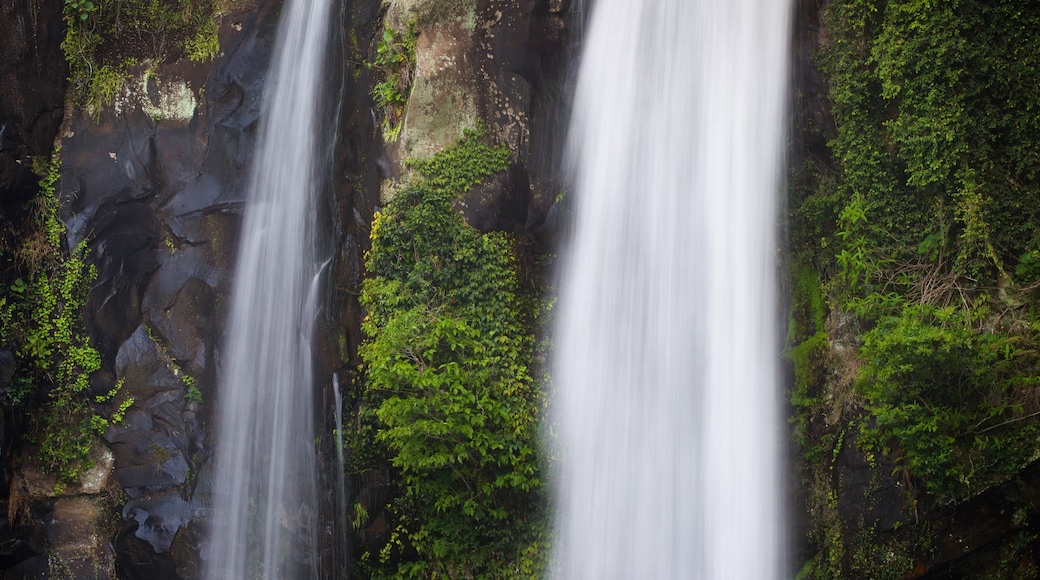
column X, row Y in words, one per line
column 175, row 100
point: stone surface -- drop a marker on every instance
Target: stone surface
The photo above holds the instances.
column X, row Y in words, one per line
column 155, row 184
column 76, row 550
column 503, row 63
column 32, row 482
column 32, row 93
column 159, row 517
column 498, row 204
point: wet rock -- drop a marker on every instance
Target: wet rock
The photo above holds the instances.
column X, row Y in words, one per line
column 489, row 61
column 868, row 493
column 8, row 366
column 159, row 517
column 137, row 559
column 32, row 482
column 32, row 93
column 155, row 184
column 153, row 442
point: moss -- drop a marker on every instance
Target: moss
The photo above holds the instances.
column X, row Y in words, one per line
column 439, row 111
column 41, row 318
column 102, row 44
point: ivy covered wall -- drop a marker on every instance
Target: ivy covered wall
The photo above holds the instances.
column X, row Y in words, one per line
column 913, row 244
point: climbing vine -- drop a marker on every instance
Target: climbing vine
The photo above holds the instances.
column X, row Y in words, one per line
column 454, row 406
column 41, row 318
column 923, row 229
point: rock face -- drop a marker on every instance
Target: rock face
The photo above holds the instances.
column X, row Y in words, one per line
column 497, row 62
column 32, row 93
column 155, row 185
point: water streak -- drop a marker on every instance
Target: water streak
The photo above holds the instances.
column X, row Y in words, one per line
column 668, row 408
column 341, row 479
column 264, row 521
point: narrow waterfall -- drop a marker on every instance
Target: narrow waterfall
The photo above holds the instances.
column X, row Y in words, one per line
column 264, row 520
column 668, row 408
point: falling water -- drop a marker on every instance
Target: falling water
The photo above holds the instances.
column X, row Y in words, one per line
column 668, row 405
column 264, row 505
column 341, row 479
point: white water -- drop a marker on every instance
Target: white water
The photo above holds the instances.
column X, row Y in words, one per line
column 668, row 408
column 264, row 520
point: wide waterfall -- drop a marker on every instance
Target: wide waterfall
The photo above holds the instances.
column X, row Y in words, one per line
column 668, row 408
column 264, row 520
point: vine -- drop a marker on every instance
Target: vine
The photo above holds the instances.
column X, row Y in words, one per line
column 455, row 409
column 41, row 319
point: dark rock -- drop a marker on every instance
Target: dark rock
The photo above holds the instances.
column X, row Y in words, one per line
column 153, row 442
column 125, row 235
column 17, row 547
column 76, row 550
column 159, row 203
column 159, row 516
column 155, row 185
column 989, row 535
column 8, row 366
column 812, row 125
column 868, row 494
column 32, row 92
column 137, row 560
column 29, row 569
column 498, row 204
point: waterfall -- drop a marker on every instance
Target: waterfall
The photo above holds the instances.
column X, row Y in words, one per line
column 668, row 407
column 264, row 518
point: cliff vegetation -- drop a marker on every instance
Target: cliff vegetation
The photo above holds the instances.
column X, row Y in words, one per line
column 915, row 247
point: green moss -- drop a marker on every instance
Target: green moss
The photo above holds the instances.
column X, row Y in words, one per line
column 808, row 348
column 102, row 43
column 932, row 134
column 193, row 395
column 922, row 229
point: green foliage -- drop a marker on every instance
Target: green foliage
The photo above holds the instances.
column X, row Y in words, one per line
column 205, row 44
column 946, row 396
column 454, row 404
column 464, row 165
column 105, row 84
column 42, row 319
column 807, row 344
column 924, row 232
column 394, row 64
column 194, row 395
column 104, row 38
column 936, row 111
column 79, row 10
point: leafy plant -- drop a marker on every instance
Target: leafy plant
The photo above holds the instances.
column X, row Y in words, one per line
column 42, row 319
column 205, row 44
column 945, row 395
column 105, row 38
column 455, row 408
column 79, row 9
column 394, row 63
column 922, row 228
column 193, row 395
